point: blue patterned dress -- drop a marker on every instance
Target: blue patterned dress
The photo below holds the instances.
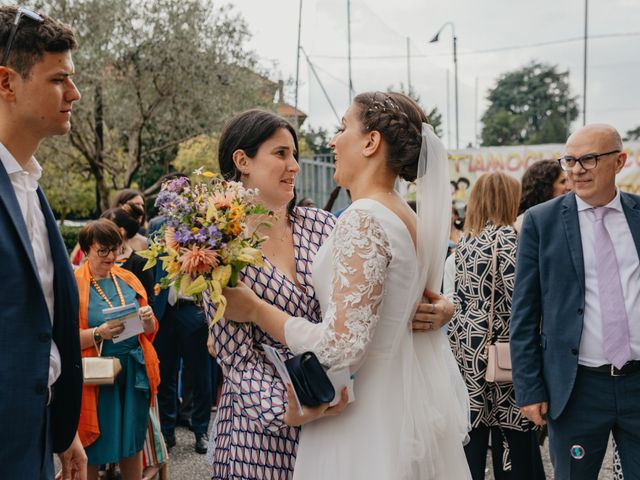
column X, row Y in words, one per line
column 248, row 438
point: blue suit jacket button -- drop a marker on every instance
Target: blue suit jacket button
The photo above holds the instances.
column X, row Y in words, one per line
column 574, row 351
column 580, row 311
column 41, row 389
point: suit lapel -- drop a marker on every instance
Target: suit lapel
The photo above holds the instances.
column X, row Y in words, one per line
column 632, row 212
column 574, row 239
column 8, row 197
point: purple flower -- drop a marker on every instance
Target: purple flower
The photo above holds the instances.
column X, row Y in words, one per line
column 177, row 184
column 209, row 236
column 215, row 236
column 173, row 222
column 172, row 204
column 183, row 235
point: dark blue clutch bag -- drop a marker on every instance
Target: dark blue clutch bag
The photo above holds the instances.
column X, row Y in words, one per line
column 310, row 381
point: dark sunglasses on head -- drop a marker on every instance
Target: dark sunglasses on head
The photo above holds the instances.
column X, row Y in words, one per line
column 22, row 12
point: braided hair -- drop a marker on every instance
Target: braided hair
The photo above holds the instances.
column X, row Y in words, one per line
column 399, row 120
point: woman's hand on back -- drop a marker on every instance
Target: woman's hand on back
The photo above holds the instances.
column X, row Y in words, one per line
column 433, row 315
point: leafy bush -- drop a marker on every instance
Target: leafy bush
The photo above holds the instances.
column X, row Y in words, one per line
column 70, row 236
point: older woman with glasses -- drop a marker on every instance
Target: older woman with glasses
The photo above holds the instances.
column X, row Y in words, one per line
column 114, row 418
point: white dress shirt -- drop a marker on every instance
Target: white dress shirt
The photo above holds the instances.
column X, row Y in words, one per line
column 449, row 282
column 25, row 184
column 591, row 344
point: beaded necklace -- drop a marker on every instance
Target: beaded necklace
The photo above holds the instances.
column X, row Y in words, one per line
column 102, row 294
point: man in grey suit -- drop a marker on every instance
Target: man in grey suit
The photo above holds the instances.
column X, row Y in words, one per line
column 40, row 369
column 575, row 325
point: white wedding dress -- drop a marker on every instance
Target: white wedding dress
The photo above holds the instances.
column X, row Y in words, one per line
column 410, row 414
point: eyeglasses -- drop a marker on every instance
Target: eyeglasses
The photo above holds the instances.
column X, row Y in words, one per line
column 104, row 252
column 16, row 23
column 587, row 162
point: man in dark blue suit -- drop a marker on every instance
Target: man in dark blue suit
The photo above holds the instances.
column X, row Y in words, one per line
column 575, row 325
column 182, row 335
column 40, row 370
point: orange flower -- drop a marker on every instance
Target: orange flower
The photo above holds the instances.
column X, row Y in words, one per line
column 156, row 289
column 222, row 200
column 234, row 228
column 196, row 260
column 236, row 212
column 170, row 238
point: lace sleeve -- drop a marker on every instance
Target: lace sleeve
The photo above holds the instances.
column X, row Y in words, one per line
column 361, row 256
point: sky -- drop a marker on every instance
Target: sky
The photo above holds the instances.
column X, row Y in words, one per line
column 545, row 30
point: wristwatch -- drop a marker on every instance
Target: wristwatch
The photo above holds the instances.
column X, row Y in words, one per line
column 96, row 335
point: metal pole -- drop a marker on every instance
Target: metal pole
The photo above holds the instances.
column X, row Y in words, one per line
column 455, row 66
column 324, row 91
column 584, row 71
column 408, row 66
column 475, row 130
column 298, row 65
column 349, row 47
column 455, row 73
column 448, row 112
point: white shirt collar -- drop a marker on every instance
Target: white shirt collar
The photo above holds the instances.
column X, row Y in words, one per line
column 11, row 165
column 615, row 204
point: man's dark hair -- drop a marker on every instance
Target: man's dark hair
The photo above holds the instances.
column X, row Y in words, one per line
column 33, row 39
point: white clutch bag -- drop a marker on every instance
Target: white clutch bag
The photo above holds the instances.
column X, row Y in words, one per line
column 100, row 370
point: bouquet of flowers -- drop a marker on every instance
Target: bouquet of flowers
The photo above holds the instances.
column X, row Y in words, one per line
column 206, row 240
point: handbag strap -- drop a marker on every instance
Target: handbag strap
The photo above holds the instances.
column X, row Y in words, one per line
column 494, row 261
column 95, row 344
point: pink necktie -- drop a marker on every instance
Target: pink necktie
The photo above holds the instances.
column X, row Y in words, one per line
column 615, row 324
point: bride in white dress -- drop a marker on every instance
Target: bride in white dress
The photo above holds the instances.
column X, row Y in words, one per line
column 410, row 415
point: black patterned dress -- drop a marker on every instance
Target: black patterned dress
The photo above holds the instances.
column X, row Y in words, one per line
column 249, row 439
column 491, row 404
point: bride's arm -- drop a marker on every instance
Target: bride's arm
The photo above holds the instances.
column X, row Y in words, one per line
column 361, row 255
column 360, row 260
column 244, row 306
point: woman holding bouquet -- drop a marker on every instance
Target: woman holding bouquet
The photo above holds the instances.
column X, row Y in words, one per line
column 410, row 415
column 113, row 419
column 249, row 439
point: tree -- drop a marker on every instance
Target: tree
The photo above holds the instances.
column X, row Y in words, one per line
column 530, row 105
column 315, row 140
column 633, row 134
column 200, row 151
column 153, row 74
column 68, row 188
column 433, row 115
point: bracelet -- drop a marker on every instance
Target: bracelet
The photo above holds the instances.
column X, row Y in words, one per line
column 96, row 335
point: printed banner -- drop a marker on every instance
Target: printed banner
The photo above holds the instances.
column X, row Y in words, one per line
column 468, row 164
